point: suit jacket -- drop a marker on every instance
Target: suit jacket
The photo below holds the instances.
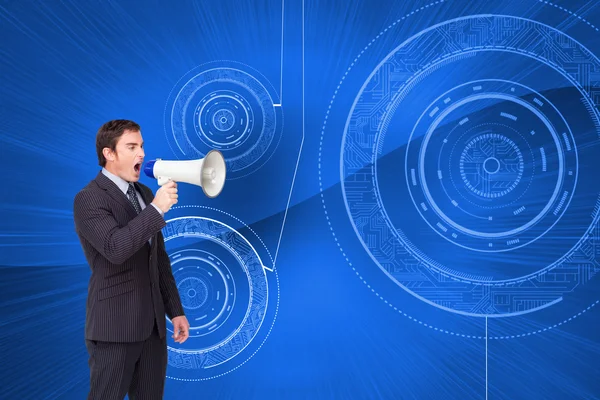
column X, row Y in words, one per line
column 132, row 284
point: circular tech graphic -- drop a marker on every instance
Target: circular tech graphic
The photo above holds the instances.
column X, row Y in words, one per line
column 225, row 106
column 224, row 120
column 471, row 166
column 224, row 292
column 491, row 165
column 469, row 169
column 207, row 289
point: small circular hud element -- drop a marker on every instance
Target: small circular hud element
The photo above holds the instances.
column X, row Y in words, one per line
column 224, row 292
column 487, row 173
column 481, row 176
column 224, row 106
column 224, row 120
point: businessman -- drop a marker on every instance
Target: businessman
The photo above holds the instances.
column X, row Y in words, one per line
column 119, row 221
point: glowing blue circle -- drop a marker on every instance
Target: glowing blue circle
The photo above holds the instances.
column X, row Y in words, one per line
column 194, row 293
column 486, row 90
column 223, row 120
column 235, row 282
column 510, row 202
column 206, row 287
column 479, row 163
column 225, row 106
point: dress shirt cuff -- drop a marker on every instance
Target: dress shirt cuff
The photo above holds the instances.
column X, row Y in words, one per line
column 158, row 209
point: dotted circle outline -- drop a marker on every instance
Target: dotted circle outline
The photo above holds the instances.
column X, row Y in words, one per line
column 276, row 304
column 221, row 119
column 528, row 184
column 470, row 146
column 325, row 207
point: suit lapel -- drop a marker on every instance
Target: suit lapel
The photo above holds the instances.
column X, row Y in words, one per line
column 113, row 190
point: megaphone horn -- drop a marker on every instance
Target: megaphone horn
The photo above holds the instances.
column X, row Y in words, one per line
column 208, row 172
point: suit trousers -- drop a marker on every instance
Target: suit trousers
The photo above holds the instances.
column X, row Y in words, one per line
column 137, row 369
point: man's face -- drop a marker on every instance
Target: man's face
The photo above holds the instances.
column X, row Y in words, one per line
column 127, row 159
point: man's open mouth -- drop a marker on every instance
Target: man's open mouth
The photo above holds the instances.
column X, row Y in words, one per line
column 137, row 167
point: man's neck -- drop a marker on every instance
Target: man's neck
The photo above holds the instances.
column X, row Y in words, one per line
column 115, row 173
column 110, row 169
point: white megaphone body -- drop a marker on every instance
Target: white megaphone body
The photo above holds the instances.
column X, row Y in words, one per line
column 208, row 172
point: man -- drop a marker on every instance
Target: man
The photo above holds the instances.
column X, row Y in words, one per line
column 119, row 221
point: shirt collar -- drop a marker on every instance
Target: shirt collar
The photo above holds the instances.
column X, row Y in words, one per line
column 120, row 182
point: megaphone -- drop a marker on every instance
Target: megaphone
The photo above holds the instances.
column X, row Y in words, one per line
column 208, row 172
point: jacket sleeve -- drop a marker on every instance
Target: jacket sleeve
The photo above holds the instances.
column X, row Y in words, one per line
column 168, row 287
column 95, row 222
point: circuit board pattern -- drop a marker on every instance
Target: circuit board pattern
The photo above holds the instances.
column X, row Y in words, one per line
column 490, row 197
column 225, row 107
column 492, row 166
column 224, row 292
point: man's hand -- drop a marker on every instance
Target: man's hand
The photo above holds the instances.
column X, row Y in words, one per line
column 181, row 329
column 166, row 196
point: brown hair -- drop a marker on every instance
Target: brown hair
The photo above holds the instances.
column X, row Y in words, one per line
column 108, row 135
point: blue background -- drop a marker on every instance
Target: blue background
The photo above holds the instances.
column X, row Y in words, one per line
column 67, row 67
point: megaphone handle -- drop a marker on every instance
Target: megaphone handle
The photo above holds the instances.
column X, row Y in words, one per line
column 163, row 180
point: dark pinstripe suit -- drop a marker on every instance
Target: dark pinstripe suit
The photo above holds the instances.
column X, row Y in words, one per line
column 130, row 290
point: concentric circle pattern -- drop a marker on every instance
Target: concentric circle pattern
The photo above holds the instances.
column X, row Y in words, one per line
column 224, row 292
column 478, row 195
column 472, row 160
column 225, row 106
column 224, row 120
column 206, row 287
column 491, row 165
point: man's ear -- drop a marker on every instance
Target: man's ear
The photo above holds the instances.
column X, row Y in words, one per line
column 109, row 154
